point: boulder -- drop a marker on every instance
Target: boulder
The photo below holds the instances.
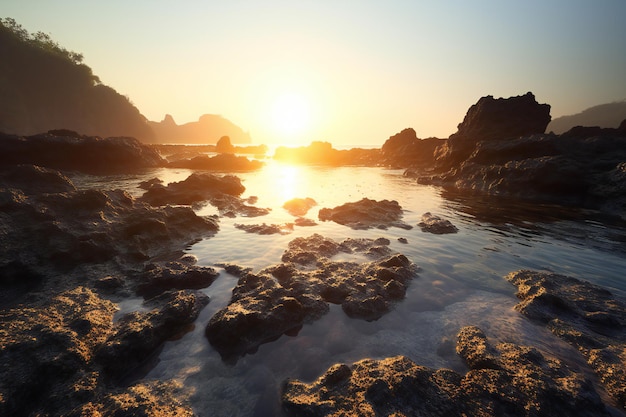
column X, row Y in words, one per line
column 405, row 149
column 588, row 317
column 66, row 150
column 503, row 380
column 366, row 214
column 436, row 225
column 173, row 275
column 223, row 145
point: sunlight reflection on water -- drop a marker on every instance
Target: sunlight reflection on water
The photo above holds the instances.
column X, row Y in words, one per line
column 460, row 282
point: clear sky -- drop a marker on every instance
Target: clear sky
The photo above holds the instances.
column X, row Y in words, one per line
column 351, row 72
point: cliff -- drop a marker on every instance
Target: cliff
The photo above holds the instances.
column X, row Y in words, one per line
column 44, row 86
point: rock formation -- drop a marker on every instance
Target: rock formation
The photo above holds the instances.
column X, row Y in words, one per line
column 406, row 150
column 366, row 214
column 503, row 380
column 436, row 225
column 208, row 129
column 587, row 316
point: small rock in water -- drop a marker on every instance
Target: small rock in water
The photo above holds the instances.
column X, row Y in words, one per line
column 436, row 225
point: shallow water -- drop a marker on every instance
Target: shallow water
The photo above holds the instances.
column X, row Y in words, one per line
column 460, row 281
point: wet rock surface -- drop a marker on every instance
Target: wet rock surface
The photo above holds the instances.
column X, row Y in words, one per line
column 281, row 298
column 67, row 150
column 366, row 214
column 222, row 192
column 502, row 380
column 158, row 278
column 587, row 316
column 299, row 206
column 266, row 229
column 436, row 225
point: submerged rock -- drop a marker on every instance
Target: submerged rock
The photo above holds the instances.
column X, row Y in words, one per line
column 436, row 225
column 266, row 229
column 366, row 214
column 503, row 380
column 281, row 298
column 587, row 316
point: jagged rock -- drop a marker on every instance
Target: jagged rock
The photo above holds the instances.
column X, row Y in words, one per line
column 72, row 152
column 224, row 162
column 503, row 380
column 493, row 119
column 137, row 335
column 281, row 298
column 299, row 206
column 46, row 348
column 366, row 214
column 585, row 315
column 32, row 179
column 146, row 399
column 436, row 225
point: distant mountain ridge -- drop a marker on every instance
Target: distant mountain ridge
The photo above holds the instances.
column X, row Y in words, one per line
column 207, row 130
column 603, row 115
column 43, row 87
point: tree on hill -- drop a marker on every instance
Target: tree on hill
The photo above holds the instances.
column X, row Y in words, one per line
column 44, row 86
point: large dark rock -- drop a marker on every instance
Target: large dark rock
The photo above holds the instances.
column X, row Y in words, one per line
column 585, row 315
column 503, row 380
column 67, row 150
column 137, row 335
column 493, row 119
column 281, row 298
column 406, row 150
column 366, row 214
column 157, row 278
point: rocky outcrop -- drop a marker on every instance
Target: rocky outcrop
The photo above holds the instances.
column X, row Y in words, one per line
column 281, row 298
column 585, row 315
column 266, row 229
column 366, row 214
column 137, row 335
column 209, row 128
column 493, row 119
column 323, row 153
column 222, row 192
column 406, row 150
column 503, row 380
column 173, row 275
column 225, row 162
column 436, row 225
column 69, row 151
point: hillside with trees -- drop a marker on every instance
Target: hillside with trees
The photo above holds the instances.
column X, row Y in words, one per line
column 44, row 86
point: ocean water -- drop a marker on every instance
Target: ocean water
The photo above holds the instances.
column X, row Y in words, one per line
column 460, row 281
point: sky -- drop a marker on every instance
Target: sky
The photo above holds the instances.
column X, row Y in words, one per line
column 347, row 72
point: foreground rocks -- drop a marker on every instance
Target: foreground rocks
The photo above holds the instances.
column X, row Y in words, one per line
column 587, row 316
column 59, row 353
column 280, row 299
column 366, row 214
column 503, row 380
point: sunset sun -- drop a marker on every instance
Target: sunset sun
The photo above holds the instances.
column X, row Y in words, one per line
column 291, row 115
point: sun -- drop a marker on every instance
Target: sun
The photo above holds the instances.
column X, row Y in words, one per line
column 291, row 115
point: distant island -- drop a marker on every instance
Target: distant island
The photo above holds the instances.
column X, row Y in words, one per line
column 608, row 115
column 208, row 129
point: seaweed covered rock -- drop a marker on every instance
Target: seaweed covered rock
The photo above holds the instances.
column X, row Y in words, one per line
column 587, row 316
column 281, row 298
column 366, row 214
column 503, row 380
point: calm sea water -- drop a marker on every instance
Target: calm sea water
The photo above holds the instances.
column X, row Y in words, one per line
column 460, row 282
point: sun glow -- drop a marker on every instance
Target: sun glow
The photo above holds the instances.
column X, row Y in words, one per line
column 291, row 115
